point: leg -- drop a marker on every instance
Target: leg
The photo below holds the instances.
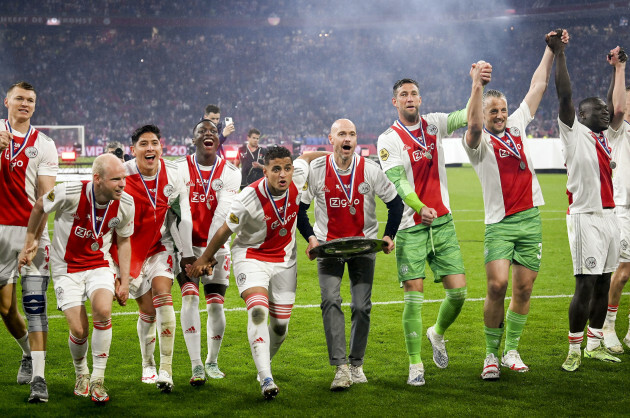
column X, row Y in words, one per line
column 101, row 300
column 497, row 272
column 165, row 315
column 34, row 303
column 17, row 328
column 146, row 328
column 617, row 283
column 361, row 272
column 215, row 327
column 191, row 322
column 79, row 327
column 330, row 272
column 412, row 327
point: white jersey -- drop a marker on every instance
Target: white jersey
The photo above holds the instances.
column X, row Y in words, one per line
column 424, row 167
column 209, row 191
column 621, row 174
column 35, row 156
column 504, row 167
column 260, row 234
column 78, row 243
column 334, row 217
column 587, row 157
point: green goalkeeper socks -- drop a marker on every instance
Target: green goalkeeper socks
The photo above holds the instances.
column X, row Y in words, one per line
column 412, row 325
column 450, row 308
column 514, row 324
column 493, row 340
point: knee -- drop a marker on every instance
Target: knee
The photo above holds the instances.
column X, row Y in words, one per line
column 34, row 302
column 190, row 301
column 330, row 299
column 280, row 326
column 364, row 308
column 258, row 315
column 497, row 289
column 523, row 292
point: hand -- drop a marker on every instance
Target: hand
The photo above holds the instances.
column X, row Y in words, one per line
column 312, row 243
column 186, row 261
column 200, row 267
column 481, row 71
column 228, row 130
column 121, row 287
column 388, row 244
column 5, row 140
column 557, row 40
column 428, row 215
column 617, row 56
column 27, row 254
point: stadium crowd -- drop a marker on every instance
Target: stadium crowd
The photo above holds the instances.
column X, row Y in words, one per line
column 288, row 82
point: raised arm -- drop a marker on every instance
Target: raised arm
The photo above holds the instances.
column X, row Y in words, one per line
column 566, row 111
column 617, row 91
column 479, row 72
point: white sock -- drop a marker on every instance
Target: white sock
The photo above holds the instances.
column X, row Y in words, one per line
column 101, row 341
column 166, row 325
column 278, row 326
column 78, row 350
column 215, row 325
column 191, row 322
column 146, row 335
column 594, row 338
column 39, row 363
column 611, row 317
column 24, row 345
column 258, row 333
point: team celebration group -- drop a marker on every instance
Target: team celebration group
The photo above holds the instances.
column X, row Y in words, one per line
column 138, row 225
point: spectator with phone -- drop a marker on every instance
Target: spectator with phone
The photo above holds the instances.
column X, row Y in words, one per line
column 213, row 113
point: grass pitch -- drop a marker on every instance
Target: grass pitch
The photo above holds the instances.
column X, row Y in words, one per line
column 301, row 366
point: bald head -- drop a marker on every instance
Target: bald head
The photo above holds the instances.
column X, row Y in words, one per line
column 343, row 137
column 104, row 162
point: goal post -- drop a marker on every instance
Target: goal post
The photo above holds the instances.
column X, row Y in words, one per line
column 66, row 137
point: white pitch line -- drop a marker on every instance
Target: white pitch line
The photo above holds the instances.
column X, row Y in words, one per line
column 391, row 302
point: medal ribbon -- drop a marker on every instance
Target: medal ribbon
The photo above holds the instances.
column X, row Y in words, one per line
column 275, row 207
column 153, row 199
column 422, row 143
column 11, row 146
column 97, row 227
column 206, row 187
column 352, row 169
column 509, row 145
column 603, row 143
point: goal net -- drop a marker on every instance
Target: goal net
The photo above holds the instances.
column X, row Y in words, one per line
column 67, row 137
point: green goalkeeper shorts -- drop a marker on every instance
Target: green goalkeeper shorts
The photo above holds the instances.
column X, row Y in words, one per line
column 517, row 237
column 436, row 245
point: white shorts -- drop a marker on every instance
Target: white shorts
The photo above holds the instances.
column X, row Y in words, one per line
column 594, row 242
column 623, row 215
column 11, row 243
column 73, row 289
column 160, row 264
column 279, row 280
column 220, row 272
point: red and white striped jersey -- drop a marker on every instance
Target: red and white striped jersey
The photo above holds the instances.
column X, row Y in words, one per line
column 210, row 191
column 621, row 174
column 35, row 156
column 260, row 235
column 334, row 217
column 74, row 246
column 424, row 166
column 504, row 167
column 588, row 157
column 152, row 197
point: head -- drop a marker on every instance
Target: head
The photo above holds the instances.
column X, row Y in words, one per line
column 108, row 175
column 213, row 113
column 278, row 169
column 593, row 113
column 20, row 101
column 147, row 148
column 253, row 136
column 116, row 148
column 495, row 111
column 407, row 100
column 343, row 137
column 206, row 138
